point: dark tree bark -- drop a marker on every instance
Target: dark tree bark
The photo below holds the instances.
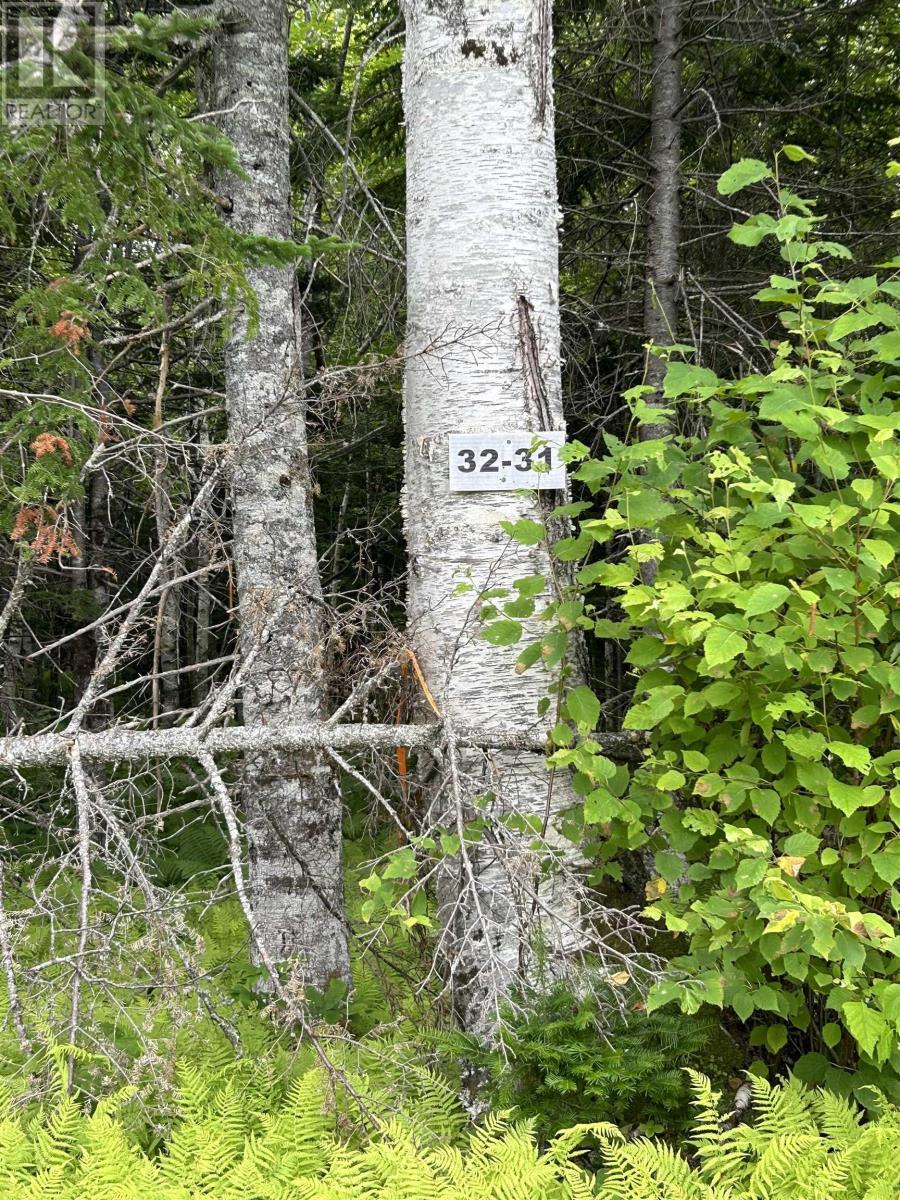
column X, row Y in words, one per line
column 664, row 205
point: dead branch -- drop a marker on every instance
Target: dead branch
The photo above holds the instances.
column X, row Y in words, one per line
column 119, row 744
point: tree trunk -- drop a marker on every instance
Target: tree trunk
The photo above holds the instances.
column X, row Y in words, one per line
column 166, row 641
column 291, row 801
column 13, row 641
column 92, row 523
column 483, row 320
column 664, row 205
column 663, row 216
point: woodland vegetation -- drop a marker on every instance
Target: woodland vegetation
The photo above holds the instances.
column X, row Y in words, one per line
column 372, row 825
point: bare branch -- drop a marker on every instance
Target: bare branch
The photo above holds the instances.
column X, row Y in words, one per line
column 119, row 744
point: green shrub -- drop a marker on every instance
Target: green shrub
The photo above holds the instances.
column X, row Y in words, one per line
column 764, row 630
column 802, row 1145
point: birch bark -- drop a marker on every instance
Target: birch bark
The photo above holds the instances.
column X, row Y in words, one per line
column 482, row 246
column 292, row 805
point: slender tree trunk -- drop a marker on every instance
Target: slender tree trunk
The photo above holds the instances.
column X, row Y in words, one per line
column 664, row 205
column 291, row 801
column 166, row 641
column 483, row 284
column 663, row 214
column 91, row 521
column 13, row 641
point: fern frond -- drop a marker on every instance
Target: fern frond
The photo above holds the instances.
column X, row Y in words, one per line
column 839, row 1118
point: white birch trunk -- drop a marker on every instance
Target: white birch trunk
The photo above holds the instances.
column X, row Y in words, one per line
column 291, row 801
column 482, row 233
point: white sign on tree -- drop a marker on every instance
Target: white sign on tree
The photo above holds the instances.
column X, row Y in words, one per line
column 506, row 460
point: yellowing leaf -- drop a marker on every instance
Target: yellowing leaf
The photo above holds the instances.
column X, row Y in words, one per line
column 783, row 919
column 656, row 888
column 791, row 864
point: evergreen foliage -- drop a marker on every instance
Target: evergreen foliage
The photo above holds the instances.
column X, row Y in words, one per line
column 112, row 231
column 563, row 1060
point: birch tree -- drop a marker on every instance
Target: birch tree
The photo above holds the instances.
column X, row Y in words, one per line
column 291, row 801
column 483, row 355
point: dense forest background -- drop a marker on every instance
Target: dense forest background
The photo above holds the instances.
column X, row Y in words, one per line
column 728, row 377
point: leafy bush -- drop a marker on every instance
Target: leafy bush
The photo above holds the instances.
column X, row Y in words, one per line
column 764, row 618
column 220, row 1151
column 802, row 1145
column 562, row 1061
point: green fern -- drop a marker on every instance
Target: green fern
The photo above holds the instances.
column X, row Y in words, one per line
column 235, row 1140
column 222, row 1150
column 802, row 1145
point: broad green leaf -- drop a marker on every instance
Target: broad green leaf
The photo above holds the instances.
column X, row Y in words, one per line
column 887, row 865
column 645, row 509
column 701, row 820
column 865, row 1023
column 648, row 713
column 530, row 585
column 883, row 552
column 601, row 806
column 848, row 798
column 401, row 864
column 802, row 844
column 773, row 757
column 748, row 234
column 766, row 804
column 742, row 1004
column 664, row 992
column 766, row 998
column 776, row 1037
column 806, row 744
column 645, row 650
column 782, row 490
column 750, row 872
column 741, row 174
column 694, row 760
column 525, row 531
column 583, row 706
column 722, row 645
column 670, row 780
column 887, row 346
column 764, row 598
column 502, row 633
column 850, row 322
column 852, row 755
column 670, row 866
column 682, row 377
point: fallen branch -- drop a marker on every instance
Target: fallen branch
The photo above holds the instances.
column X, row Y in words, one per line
column 129, row 745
